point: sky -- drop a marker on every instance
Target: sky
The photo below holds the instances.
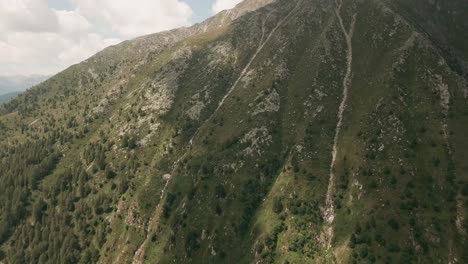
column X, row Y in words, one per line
column 43, row 37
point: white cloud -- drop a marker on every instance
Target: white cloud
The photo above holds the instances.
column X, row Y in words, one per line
column 72, row 22
column 36, row 39
column 220, row 5
column 47, row 53
column 134, row 18
column 27, row 15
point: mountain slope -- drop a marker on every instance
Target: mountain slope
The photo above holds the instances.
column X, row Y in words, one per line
column 308, row 131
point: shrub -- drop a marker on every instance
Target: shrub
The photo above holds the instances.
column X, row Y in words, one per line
column 394, row 224
column 352, row 241
column 393, row 180
column 394, row 248
column 277, row 205
column 218, row 209
column 192, row 243
column 364, row 252
column 129, row 142
column 110, row 174
column 167, row 206
column 464, row 190
column 220, row 191
column 379, row 239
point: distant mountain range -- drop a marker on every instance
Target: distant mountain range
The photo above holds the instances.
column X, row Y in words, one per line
column 5, row 97
column 19, row 83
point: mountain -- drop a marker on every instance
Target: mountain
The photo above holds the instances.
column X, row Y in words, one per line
column 9, row 84
column 306, row 131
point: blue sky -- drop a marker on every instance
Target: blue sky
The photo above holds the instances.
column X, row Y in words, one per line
column 201, row 9
column 60, row 4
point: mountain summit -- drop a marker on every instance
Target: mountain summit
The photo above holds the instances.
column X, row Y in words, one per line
column 287, row 131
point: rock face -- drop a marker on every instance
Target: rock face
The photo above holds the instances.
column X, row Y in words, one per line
column 287, row 131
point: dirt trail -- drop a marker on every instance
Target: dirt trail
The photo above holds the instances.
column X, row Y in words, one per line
column 140, row 252
column 329, row 212
column 259, row 49
column 252, row 59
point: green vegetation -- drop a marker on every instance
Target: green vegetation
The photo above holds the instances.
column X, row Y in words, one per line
column 131, row 157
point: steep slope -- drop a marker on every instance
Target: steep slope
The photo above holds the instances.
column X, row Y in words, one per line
column 308, row 131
